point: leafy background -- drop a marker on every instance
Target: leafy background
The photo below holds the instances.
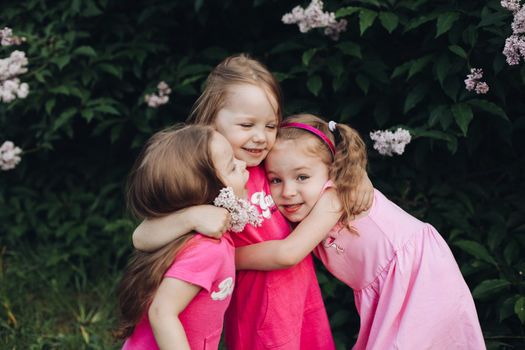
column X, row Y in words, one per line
column 64, row 229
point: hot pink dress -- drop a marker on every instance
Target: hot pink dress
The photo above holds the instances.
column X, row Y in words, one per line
column 209, row 264
column 280, row 309
column 408, row 289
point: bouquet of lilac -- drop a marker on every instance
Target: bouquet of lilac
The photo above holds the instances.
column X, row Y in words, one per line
column 241, row 211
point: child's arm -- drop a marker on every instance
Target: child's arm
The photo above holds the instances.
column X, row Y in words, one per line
column 280, row 254
column 362, row 195
column 170, row 300
column 153, row 234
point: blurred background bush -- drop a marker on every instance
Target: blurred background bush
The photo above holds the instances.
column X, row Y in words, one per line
column 64, row 229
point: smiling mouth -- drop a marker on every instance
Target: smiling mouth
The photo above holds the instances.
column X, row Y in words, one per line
column 291, row 208
column 255, row 151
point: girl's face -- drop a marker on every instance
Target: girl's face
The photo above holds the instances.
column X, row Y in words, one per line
column 230, row 170
column 296, row 176
column 249, row 122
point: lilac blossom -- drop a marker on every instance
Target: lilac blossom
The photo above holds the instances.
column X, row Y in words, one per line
column 7, row 38
column 10, row 85
column 241, row 211
column 388, row 143
column 312, row 17
column 474, row 83
column 511, row 5
column 157, row 99
column 9, row 155
column 514, row 49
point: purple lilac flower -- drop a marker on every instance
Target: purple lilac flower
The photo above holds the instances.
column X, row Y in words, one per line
column 312, row 17
column 514, row 49
column 474, row 83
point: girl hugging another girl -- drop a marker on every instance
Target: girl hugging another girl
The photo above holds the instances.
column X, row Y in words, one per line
column 281, row 309
column 176, row 297
column 408, row 289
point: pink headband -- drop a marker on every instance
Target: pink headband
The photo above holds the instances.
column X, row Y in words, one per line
column 314, row 131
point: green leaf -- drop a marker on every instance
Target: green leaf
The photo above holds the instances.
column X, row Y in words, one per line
column 419, row 21
column 458, row 50
column 401, row 69
column 49, row 105
column 463, row 116
column 308, row 55
column 366, row 19
column 111, row 69
column 506, row 309
column 519, row 309
column 477, row 250
column 436, row 114
column 489, row 107
column 314, row 84
column 64, row 117
column 61, row 61
column 414, row 97
column 442, row 67
column 106, row 109
column 346, row 11
column 389, row 20
column 363, row 82
column 85, row 51
column 87, row 114
column 350, row 48
column 489, row 288
column 62, row 89
column 418, row 65
column 445, row 22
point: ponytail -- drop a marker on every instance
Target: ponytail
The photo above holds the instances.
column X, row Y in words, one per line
column 348, row 167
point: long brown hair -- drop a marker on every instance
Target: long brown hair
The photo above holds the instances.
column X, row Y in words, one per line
column 174, row 170
column 349, row 164
column 234, row 70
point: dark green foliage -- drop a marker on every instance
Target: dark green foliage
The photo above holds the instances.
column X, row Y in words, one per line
column 400, row 63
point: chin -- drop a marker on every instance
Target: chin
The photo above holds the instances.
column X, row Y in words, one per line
column 294, row 218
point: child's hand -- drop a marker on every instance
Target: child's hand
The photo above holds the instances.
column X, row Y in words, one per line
column 363, row 195
column 210, row 221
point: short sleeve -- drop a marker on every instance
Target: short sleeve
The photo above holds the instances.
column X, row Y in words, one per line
column 199, row 262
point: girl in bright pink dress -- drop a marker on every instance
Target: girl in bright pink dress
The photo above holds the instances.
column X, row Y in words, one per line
column 269, row 309
column 408, row 289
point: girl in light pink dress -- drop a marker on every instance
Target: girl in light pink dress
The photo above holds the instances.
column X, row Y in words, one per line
column 408, row 289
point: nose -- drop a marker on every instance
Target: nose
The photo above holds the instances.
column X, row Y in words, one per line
column 258, row 136
column 288, row 190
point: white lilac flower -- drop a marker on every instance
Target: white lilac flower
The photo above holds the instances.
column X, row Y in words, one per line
column 388, row 143
column 9, row 155
column 157, row 99
column 241, row 211
column 7, row 38
column 13, row 65
column 474, row 83
column 10, row 89
column 312, row 17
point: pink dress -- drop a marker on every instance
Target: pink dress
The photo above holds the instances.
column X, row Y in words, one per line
column 209, row 264
column 408, row 289
column 280, row 309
